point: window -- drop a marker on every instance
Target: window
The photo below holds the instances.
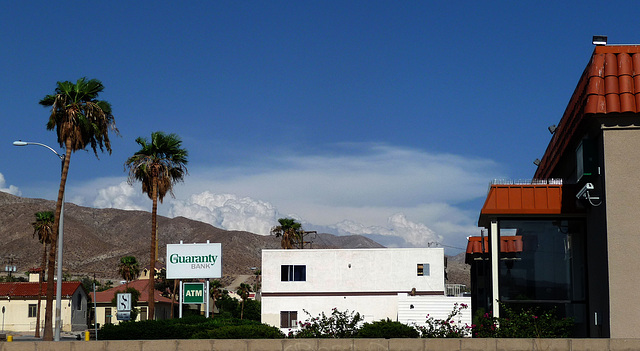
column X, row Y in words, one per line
column 423, row 269
column 107, row 315
column 288, row 319
column 291, row 273
column 33, row 310
column 143, row 313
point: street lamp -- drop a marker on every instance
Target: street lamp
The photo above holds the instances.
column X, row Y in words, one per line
column 56, row 336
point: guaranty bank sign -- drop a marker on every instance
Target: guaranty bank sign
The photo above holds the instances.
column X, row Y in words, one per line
column 194, row 261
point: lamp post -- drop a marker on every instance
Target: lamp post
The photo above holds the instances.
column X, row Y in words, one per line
column 56, row 336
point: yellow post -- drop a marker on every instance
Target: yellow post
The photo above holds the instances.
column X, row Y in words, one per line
column 9, row 338
column 87, row 336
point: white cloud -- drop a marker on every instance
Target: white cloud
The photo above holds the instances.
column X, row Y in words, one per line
column 227, row 211
column 366, row 189
column 12, row 189
column 416, row 234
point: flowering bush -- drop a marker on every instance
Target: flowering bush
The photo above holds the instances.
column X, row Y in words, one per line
column 336, row 325
column 446, row 328
column 387, row 329
column 524, row 323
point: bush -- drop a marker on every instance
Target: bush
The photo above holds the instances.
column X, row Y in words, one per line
column 183, row 328
column 524, row 323
column 337, row 325
column 446, row 328
column 387, row 329
column 257, row 331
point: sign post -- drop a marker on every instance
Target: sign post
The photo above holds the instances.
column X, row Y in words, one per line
column 123, row 303
column 194, row 261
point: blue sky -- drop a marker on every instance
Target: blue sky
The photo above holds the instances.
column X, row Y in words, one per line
column 369, row 117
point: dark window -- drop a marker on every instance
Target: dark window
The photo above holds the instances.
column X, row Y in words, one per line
column 107, row 315
column 288, row 319
column 423, row 269
column 291, row 273
column 143, row 313
column 33, row 310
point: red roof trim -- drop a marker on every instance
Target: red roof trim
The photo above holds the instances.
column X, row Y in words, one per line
column 609, row 84
column 508, row 244
column 30, row 289
column 523, row 199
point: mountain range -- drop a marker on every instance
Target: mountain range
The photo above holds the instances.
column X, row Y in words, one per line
column 96, row 239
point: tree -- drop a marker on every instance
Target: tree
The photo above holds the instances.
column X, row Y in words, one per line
column 290, row 231
column 80, row 120
column 215, row 290
column 129, row 269
column 243, row 291
column 158, row 165
column 43, row 228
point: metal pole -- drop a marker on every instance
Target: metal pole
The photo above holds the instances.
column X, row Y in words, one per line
column 180, row 304
column 95, row 308
column 56, row 336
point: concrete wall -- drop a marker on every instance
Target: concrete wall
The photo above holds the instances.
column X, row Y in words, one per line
column 367, row 281
column 355, row 270
column 622, row 190
column 413, row 310
column 331, row 344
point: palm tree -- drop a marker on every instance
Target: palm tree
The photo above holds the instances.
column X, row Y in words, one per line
column 129, row 269
column 158, row 165
column 80, row 120
column 215, row 290
column 290, row 231
column 43, row 228
column 243, row 291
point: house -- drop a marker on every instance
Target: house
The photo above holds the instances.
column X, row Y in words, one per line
column 574, row 228
column 106, row 310
column 400, row 284
column 19, row 303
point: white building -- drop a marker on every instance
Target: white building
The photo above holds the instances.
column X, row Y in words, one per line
column 400, row 284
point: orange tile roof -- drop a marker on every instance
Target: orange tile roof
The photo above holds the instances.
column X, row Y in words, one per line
column 142, row 285
column 30, row 289
column 609, row 84
column 507, row 244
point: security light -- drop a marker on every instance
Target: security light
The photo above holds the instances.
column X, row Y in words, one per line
column 599, row 40
column 536, row 162
column 552, row 128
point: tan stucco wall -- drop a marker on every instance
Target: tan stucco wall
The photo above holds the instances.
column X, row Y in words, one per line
column 334, row 344
column 622, row 197
column 16, row 316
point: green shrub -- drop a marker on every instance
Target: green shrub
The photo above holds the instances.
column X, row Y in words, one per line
column 523, row 323
column 446, row 328
column 179, row 328
column 336, row 325
column 256, row 331
column 387, row 329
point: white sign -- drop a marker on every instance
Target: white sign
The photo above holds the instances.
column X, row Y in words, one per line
column 124, row 302
column 194, row 261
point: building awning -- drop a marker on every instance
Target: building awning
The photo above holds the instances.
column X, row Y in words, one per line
column 526, row 199
column 508, row 244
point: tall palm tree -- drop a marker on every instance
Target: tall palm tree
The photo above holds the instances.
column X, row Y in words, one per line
column 290, row 231
column 215, row 290
column 129, row 269
column 158, row 165
column 43, row 228
column 80, row 120
column 243, row 291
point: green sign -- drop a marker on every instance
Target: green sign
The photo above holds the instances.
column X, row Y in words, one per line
column 193, row 293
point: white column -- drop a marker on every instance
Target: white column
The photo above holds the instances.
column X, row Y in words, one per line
column 495, row 259
column 180, row 300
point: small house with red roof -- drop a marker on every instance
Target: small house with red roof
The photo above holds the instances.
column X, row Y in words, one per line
column 568, row 239
column 19, row 303
column 106, row 309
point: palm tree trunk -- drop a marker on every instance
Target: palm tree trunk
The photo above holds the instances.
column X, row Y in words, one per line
column 152, row 264
column 48, row 329
column 40, row 280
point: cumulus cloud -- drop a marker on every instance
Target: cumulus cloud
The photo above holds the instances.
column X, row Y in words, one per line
column 415, row 234
column 11, row 189
column 228, row 211
column 376, row 190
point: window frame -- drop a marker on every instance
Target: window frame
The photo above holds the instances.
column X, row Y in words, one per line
column 293, row 273
column 32, row 310
column 290, row 318
column 423, row 269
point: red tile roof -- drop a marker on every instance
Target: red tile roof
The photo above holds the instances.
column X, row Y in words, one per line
column 30, row 289
column 507, row 244
column 141, row 285
column 610, row 84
